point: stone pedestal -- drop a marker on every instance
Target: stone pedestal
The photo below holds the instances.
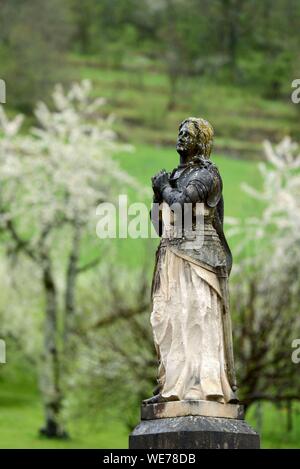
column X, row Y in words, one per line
column 193, row 425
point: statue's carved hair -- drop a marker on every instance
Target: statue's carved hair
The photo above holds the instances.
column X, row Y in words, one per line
column 204, row 134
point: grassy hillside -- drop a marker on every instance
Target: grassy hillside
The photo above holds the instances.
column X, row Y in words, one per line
column 139, row 98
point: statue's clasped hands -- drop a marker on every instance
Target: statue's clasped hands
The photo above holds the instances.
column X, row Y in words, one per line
column 160, row 181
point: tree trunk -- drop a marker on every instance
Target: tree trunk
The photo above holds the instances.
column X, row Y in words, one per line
column 173, row 79
column 71, row 277
column 50, row 386
column 231, row 20
column 259, row 416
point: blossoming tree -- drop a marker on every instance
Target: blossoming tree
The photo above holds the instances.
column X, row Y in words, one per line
column 51, row 179
column 267, row 290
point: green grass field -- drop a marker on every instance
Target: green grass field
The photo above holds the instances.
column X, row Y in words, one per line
column 241, row 120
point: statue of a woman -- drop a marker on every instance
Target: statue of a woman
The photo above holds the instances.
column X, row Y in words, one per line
column 190, row 317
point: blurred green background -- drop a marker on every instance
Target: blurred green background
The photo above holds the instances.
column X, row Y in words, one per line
column 156, row 63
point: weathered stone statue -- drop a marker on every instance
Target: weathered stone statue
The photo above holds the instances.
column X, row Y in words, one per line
column 196, row 393
column 190, row 317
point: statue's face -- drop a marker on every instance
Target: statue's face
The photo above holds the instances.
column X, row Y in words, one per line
column 186, row 141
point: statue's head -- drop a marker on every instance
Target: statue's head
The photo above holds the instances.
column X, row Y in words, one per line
column 195, row 137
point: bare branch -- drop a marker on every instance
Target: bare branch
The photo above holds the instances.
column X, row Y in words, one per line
column 89, row 265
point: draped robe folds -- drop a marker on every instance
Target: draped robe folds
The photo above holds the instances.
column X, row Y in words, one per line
column 187, row 326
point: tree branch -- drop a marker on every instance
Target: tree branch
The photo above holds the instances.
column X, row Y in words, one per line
column 88, row 265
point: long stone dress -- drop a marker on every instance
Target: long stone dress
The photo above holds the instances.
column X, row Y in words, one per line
column 187, row 328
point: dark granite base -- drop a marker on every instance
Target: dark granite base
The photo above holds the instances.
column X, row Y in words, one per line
column 193, row 432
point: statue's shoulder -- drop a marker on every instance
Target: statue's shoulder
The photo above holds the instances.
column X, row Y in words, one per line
column 211, row 168
column 206, row 172
column 205, row 169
